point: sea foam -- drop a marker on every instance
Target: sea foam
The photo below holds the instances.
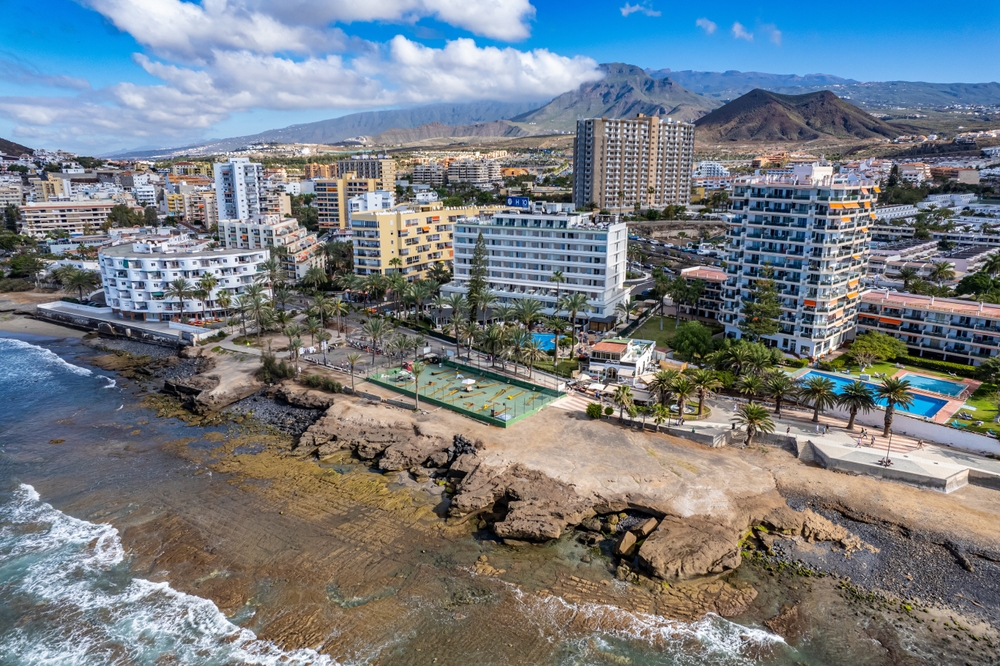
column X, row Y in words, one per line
column 39, row 355
column 85, row 608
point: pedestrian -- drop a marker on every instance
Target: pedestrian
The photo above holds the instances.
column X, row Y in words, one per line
column 788, row 430
column 873, row 440
column 825, row 427
column 920, row 443
column 860, row 437
column 817, row 428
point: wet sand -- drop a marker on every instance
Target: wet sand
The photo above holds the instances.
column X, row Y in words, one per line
column 14, row 323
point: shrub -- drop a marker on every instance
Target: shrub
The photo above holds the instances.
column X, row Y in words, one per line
column 940, row 366
column 609, row 410
column 15, row 284
column 272, row 370
column 796, row 362
column 594, row 410
column 322, row 383
column 825, row 365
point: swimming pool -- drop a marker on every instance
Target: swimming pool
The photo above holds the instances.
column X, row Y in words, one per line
column 546, row 341
column 922, row 405
column 942, row 386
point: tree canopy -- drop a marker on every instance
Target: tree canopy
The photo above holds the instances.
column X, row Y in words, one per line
column 880, row 345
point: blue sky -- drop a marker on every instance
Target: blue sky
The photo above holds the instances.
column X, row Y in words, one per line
column 101, row 75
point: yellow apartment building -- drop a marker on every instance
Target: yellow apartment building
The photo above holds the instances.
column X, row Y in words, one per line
column 332, row 195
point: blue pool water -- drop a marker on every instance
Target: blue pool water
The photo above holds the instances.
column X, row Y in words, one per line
column 546, row 341
column 922, row 405
column 942, row 386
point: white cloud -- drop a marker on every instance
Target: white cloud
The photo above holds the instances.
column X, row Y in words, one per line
column 739, row 32
column 217, row 58
column 708, row 26
column 772, row 33
column 641, row 8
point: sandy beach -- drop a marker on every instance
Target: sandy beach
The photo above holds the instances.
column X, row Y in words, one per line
column 16, row 323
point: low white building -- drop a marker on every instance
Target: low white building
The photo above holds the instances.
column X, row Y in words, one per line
column 895, row 212
column 136, row 277
column 622, row 360
column 371, row 201
column 524, row 249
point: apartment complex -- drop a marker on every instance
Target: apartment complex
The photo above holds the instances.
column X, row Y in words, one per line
column 644, row 161
column 524, row 249
column 481, row 173
column 303, row 250
column 311, row 171
column 199, row 208
column 239, row 185
column 946, row 329
column 275, row 202
column 713, row 281
column 418, row 235
column 136, row 277
column 64, row 217
column 10, row 195
column 811, row 229
column 381, row 169
column 434, row 174
column 332, row 195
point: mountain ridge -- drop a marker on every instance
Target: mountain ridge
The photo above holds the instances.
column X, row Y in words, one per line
column 761, row 115
column 14, row 149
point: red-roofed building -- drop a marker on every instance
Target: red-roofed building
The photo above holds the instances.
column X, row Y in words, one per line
column 622, row 360
column 709, row 306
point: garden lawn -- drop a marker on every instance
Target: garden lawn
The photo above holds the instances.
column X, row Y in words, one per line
column 986, row 411
column 889, row 368
column 565, row 368
column 651, row 331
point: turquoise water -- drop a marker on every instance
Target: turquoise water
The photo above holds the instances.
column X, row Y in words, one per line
column 922, row 404
column 942, row 386
column 546, row 341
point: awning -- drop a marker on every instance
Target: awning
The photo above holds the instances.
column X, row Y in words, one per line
column 851, row 204
column 879, row 190
column 887, row 320
column 596, row 387
column 867, row 316
column 836, row 205
column 845, row 219
column 809, row 304
column 873, row 216
column 868, row 204
column 852, row 294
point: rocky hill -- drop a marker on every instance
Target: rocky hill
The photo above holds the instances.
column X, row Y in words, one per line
column 624, row 91
column 11, row 148
column 765, row 116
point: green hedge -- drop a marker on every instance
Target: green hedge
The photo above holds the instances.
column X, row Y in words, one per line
column 940, row 366
column 796, row 362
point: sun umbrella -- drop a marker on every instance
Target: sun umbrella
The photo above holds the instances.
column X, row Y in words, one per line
column 467, row 382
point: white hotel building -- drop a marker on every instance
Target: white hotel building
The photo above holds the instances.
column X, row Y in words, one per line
column 137, row 276
column 524, row 249
column 812, row 229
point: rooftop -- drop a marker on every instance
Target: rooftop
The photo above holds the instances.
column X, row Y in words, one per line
column 612, row 346
column 710, row 273
column 947, row 305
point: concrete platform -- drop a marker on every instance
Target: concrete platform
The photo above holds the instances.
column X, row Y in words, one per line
column 907, row 468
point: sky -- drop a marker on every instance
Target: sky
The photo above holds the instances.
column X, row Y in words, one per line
column 98, row 76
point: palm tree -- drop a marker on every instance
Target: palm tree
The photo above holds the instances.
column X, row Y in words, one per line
column 295, row 344
column 557, row 278
column 293, row 331
column 439, row 273
column 818, row 392
column 660, row 414
column 323, row 336
column 417, row 369
column 626, row 310
column 908, row 274
column 422, row 290
column 751, row 385
column 320, row 308
column 281, row 293
column 759, row 360
column 574, row 303
column 505, row 313
column 992, row 265
column 531, row 353
column 313, row 326
column 206, row 284
column 663, row 384
column 375, row 329
column 484, row 301
column 80, row 280
column 559, row 326
column 351, row 283
column 417, row 342
column 242, row 306
column 494, row 339
column 755, row 418
column 705, row 382
column 224, row 301
column 457, row 304
column 855, row 397
column 396, row 263
column 338, row 308
column 314, row 278
column 468, row 330
column 180, row 289
column 439, row 302
column 683, row 390
column 352, row 360
column 528, row 311
column 942, row 272
column 779, row 386
column 623, row 398
column 260, row 311
column 895, row 393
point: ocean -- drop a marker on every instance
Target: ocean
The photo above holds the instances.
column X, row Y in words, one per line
column 80, row 460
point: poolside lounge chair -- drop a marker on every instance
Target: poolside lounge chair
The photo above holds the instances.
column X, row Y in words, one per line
column 977, row 424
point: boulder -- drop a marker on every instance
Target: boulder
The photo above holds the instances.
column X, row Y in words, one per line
column 591, row 525
column 306, row 399
column 626, row 545
column 681, row 549
column 646, row 528
column 413, row 452
column 190, row 386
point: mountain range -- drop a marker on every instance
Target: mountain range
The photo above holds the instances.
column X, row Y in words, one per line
column 624, row 91
column 11, row 148
column 761, row 115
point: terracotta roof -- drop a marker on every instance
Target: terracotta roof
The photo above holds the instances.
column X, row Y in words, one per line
column 613, row 347
column 704, row 273
column 914, row 301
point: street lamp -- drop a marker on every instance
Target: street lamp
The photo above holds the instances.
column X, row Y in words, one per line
column 885, row 462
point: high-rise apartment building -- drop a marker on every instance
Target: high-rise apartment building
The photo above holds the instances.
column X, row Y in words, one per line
column 199, row 208
column 644, row 161
column 303, row 250
column 332, row 195
column 524, row 249
column 810, row 228
column 381, row 169
column 239, row 185
column 418, row 235
column 434, row 174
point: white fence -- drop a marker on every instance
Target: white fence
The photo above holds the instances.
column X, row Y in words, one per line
column 932, row 432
